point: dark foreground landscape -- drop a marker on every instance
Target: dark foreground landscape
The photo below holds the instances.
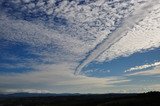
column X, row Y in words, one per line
column 24, row 99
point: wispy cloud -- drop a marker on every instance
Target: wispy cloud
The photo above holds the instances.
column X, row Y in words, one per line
column 143, row 67
column 154, row 71
column 56, row 78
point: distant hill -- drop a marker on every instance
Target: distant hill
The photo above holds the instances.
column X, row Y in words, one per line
column 31, row 99
column 23, row 94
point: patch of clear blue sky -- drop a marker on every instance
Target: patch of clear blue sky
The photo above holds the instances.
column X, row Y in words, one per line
column 15, row 54
column 18, row 57
column 119, row 65
column 144, row 79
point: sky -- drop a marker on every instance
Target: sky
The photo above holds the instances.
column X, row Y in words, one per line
column 79, row 46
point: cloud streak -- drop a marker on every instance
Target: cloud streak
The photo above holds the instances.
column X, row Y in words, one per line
column 143, row 67
column 154, row 71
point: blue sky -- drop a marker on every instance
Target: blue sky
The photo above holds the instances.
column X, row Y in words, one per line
column 79, row 46
column 119, row 65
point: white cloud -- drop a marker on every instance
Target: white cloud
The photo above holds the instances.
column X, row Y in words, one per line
column 111, row 46
column 143, row 67
column 154, row 71
column 37, row 35
column 88, row 72
column 143, row 36
column 87, row 24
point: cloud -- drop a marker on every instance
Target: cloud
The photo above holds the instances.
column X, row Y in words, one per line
column 154, row 71
column 143, row 36
column 56, row 78
column 91, row 23
column 143, row 67
column 119, row 33
column 37, row 35
column 48, row 44
column 8, row 91
column 97, row 70
column 85, row 24
column 73, row 29
column 64, row 33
